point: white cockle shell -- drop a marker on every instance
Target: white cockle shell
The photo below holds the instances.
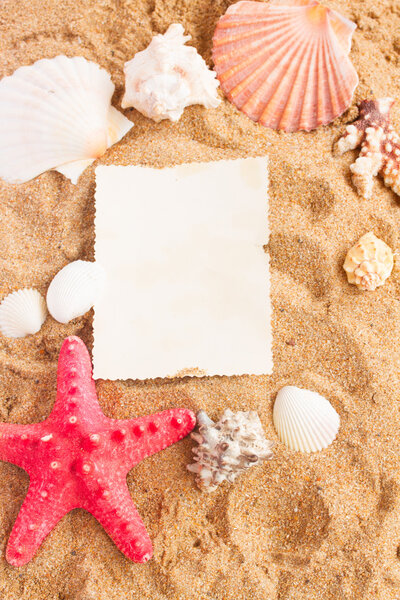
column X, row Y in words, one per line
column 56, row 114
column 22, row 312
column 369, row 262
column 167, row 76
column 74, row 290
column 227, row 448
column 304, row 420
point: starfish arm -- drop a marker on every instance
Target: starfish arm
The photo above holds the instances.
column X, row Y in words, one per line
column 351, row 139
column 119, row 517
column 363, row 172
column 76, row 390
column 18, row 441
column 138, row 438
column 39, row 514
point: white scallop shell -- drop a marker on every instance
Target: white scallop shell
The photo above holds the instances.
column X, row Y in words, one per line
column 56, row 114
column 74, row 290
column 22, row 312
column 167, row 76
column 304, row 420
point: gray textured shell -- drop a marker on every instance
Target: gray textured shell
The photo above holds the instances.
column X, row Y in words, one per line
column 227, row 448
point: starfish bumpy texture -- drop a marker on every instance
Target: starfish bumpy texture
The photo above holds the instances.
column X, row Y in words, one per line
column 79, row 458
column 380, row 146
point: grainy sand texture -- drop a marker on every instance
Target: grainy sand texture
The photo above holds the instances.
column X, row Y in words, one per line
column 301, row 527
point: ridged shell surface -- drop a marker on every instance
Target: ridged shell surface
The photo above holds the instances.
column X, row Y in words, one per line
column 56, row 114
column 304, row 420
column 227, row 448
column 22, row 312
column 285, row 64
column 167, row 76
column 74, row 290
column 369, row 262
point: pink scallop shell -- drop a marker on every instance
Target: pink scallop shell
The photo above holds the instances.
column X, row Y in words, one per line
column 285, row 63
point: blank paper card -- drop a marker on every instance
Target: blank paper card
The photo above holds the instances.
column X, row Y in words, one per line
column 187, row 273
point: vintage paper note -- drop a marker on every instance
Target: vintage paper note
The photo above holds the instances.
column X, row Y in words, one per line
column 187, row 274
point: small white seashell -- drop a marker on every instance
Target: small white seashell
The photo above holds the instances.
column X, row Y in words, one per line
column 227, row 448
column 56, row 114
column 167, row 76
column 74, row 290
column 304, row 420
column 368, row 263
column 22, row 312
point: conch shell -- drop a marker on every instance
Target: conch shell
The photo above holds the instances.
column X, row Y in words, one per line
column 369, row 263
column 167, row 76
column 227, row 448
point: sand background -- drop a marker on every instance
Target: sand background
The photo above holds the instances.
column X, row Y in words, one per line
column 300, row 527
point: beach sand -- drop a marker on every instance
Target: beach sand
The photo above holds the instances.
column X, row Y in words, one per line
column 300, row 527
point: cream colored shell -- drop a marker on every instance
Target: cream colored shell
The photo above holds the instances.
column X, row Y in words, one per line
column 167, row 76
column 368, row 263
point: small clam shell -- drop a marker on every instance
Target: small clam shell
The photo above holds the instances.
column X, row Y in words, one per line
column 22, row 313
column 74, row 290
column 304, row 420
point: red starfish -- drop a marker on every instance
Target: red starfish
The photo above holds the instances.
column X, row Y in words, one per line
column 79, row 458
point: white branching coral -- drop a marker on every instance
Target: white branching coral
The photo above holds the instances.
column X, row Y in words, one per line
column 368, row 263
column 167, row 76
column 228, row 447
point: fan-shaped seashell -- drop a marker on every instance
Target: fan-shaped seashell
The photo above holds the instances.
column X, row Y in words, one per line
column 167, row 76
column 22, row 312
column 304, row 420
column 74, row 290
column 368, row 263
column 285, row 64
column 56, row 114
